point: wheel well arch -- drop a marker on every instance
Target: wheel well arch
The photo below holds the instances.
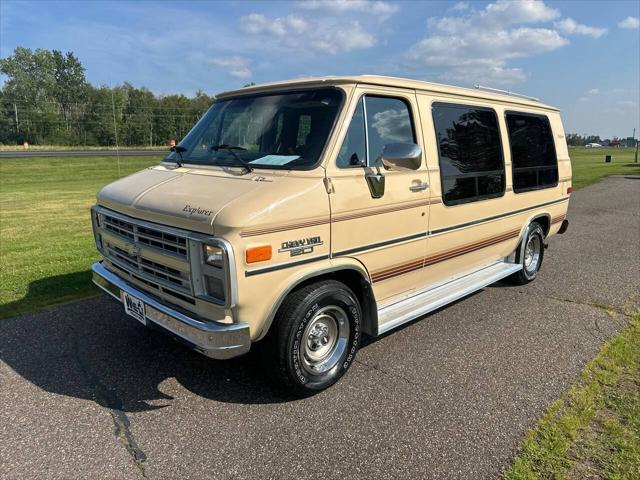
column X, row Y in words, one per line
column 544, row 219
column 354, row 278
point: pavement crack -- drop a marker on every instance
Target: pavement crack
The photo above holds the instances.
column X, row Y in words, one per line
column 609, row 309
column 109, row 399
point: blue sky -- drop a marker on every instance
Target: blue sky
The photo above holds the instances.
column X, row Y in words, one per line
column 583, row 57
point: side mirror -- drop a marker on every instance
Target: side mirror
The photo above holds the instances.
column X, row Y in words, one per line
column 401, row 156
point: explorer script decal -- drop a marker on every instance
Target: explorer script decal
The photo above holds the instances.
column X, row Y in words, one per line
column 196, row 211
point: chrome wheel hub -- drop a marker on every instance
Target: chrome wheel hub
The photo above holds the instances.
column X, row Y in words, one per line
column 324, row 340
column 532, row 254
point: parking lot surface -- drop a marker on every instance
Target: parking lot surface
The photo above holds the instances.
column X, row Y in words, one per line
column 88, row 392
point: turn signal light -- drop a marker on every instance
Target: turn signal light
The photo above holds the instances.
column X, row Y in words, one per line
column 258, row 254
column 569, row 190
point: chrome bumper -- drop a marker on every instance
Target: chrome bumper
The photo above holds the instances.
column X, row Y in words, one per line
column 213, row 339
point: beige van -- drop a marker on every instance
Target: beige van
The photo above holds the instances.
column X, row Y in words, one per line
column 304, row 214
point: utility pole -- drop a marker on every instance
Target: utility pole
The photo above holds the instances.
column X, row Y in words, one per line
column 15, row 109
column 115, row 129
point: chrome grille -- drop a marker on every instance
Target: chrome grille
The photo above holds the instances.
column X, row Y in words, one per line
column 150, row 254
column 148, row 236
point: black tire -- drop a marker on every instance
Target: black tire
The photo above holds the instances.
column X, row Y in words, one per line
column 530, row 264
column 299, row 327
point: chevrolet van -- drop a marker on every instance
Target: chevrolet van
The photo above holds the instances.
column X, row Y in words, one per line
column 299, row 216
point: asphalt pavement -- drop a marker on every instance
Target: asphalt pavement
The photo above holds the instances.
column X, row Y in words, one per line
column 88, row 392
column 83, row 153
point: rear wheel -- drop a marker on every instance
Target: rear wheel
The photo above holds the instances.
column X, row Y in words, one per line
column 314, row 338
column 531, row 256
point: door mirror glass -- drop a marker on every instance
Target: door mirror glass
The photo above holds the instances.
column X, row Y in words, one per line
column 401, row 156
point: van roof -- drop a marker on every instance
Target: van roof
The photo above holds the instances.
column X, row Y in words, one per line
column 392, row 82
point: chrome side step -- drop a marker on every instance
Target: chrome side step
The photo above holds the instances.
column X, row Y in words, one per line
column 403, row 311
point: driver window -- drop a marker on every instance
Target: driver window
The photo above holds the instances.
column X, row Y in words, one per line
column 388, row 120
column 353, row 151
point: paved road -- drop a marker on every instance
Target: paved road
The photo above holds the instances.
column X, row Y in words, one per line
column 86, row 392
column 83, row 153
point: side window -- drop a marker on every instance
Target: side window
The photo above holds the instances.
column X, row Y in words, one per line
column 470, row 152
column 388, row 121
column 533, row 153
column 353, row 152
column 376, row 122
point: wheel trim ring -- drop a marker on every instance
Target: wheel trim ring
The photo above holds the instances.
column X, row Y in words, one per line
column 314, row 364
column 532, row 254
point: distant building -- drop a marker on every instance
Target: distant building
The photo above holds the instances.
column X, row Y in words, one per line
column 593, row 145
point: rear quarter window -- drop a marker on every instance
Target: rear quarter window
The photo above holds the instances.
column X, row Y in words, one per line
column 533, row 153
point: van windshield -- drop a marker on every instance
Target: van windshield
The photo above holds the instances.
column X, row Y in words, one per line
column 280, row 130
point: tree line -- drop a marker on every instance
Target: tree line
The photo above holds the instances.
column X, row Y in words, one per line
column 575, row 140
column 47, row 100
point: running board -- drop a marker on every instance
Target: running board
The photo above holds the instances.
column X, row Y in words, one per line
column 396, row 314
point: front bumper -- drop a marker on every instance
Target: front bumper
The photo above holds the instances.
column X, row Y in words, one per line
column 213, row 339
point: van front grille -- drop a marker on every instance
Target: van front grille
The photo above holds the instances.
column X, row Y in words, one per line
column 151, row 254
column 149, row 236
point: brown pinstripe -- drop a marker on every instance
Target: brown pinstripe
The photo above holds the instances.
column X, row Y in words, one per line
column 440, row 257
column 338, row 218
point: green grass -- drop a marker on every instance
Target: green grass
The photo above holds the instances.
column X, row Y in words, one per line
column 46, row 243
column 63, row 148
column 589, row 166
column 593, row 431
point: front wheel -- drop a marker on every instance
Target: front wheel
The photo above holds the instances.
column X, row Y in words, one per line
column 531, row 258
column 315, row 337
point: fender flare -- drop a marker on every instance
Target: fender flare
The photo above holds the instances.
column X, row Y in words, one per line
column 519, row 252
column 296, row 281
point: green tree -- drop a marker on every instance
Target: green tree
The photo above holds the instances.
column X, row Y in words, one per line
column 70, row 87
column 28, row 88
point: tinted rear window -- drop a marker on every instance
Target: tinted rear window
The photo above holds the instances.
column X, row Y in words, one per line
column 533, row 153
column 470, row 151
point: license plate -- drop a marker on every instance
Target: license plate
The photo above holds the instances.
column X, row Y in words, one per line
column 135, row 307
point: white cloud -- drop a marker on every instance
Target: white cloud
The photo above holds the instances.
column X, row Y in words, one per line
column 571, row 27
column 630, row 22
column 509, row 12
column 339, row 7
column 461, row 7
column 594, row 91
column 294, row 31
column 280, row 27
column 236, row 66
column 477, row 47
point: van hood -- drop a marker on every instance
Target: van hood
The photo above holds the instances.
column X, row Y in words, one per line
column 181, row 197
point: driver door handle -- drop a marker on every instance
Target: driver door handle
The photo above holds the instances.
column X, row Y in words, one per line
column 418, row 186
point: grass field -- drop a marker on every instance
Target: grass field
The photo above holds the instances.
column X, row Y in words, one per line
column 62, row 148
column 593, row 430
column 589, row 166
column 46, row 245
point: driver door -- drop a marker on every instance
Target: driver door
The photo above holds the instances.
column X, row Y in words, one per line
column 384, row 230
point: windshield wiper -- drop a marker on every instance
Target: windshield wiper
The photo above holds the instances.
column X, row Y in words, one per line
column 231, row 149
column 179, row 149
